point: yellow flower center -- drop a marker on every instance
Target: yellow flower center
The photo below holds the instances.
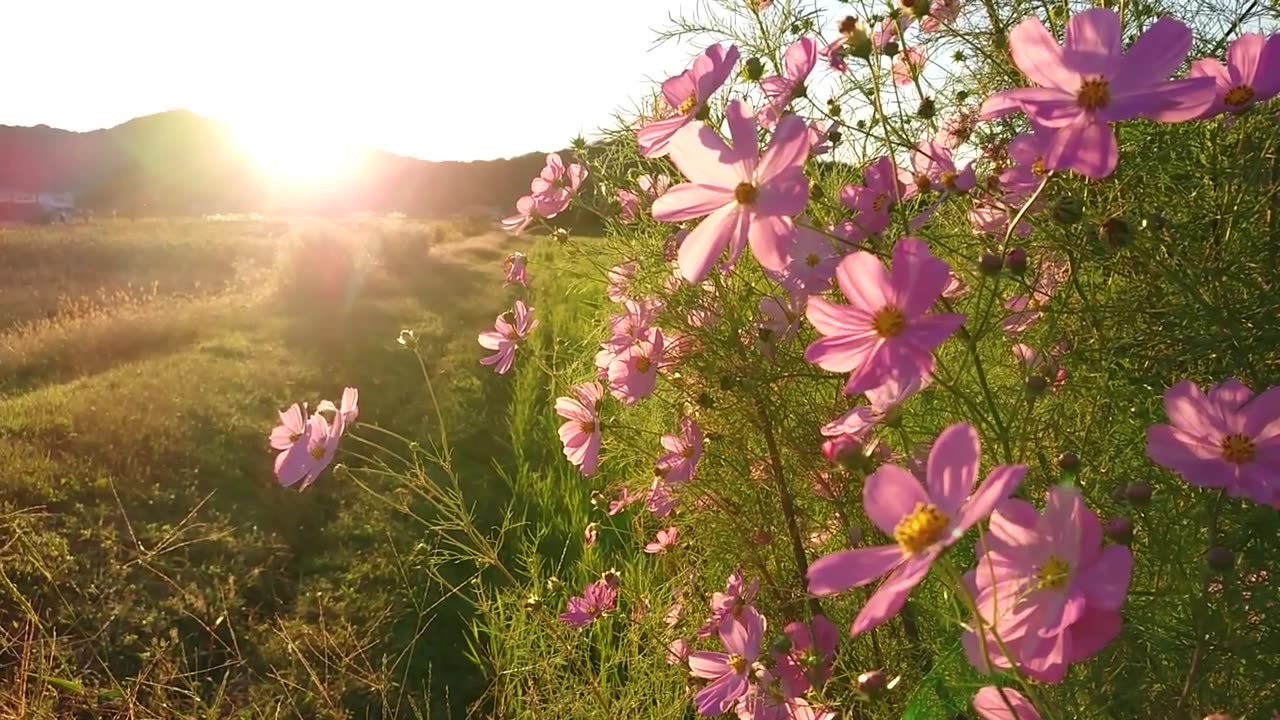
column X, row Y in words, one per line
column 881, row 200
column 921, row 529
column 1054, row 573
column 924, row 183
column 293, row 437
column 1238, row 95
column 643, row 364
column 687, row 106
column 317, row 451
column 949, row 180
column 745, row 193
column 587, row 427
column 738, row 663
column 812, row 260
column 1094, row 94
column 1038, row 168
column 1238, row 449
column 889, row 321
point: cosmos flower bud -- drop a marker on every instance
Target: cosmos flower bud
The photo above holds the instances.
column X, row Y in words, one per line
column 1068, row 461
column 1118, row 529
column 1220, row 558
column 753, row 69
column 990, row 264
column 554, row 584
column 889, row 49
column 408, row 339
column 533, row 603
column 1067, row 210
column 961, row 95
column 560, row 235
column 341, row 472
column 1117, row 232
column 1016, row 260
column 834, row 136
column 927, row 108
column 842, row 450
column 873, row 683
column 781, row 645
column 1036, row 385
column 1138, row 493
column 612, row 578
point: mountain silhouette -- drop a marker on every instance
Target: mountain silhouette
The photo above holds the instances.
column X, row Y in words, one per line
column 180, row 163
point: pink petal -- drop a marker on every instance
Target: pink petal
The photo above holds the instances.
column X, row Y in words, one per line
column 846, row 569
column 1170, row 101
column 1190, row 409
column 654, row 139
column 889, row 495
column 720, row 695
column 864, row 281
column 1038, row 56
column 1092, row 44
column 771, row 238
column 841, row 353
column 832, row 319
column 742, row 129
column 710, row 665
column 1262, row 415
column 1106, row 581
column 918, row 276
column 990, row 704
column 1086, row 147
column 1154, row 56
column 1000, row 483
column 1095, row 629
column 703, row 246
column 892, row 594
column 787, row 149
column 1243, row 57
column 953, row 467
column 687, row 201
column 786, row 194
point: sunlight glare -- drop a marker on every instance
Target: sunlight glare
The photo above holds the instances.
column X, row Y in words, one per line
column 295, row 150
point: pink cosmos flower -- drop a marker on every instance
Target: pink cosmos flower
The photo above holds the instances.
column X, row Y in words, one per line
column 991, row 215
column 556, row 185
column 836, row 54
column 923, row 520
column 1045, row 365
column 619, row 279
column 653, row 186
column 728, row 671
column 1048, row 585
column 779, row 90
column 581, row 433
column 932, row 169
column 767, row 699
column 858, row 422
column 624, row 500
column 810, row 264
column 349, row 406
column 528, row 209
column 875, row 198
column 590, row 534
column 1089, row 83
column 515, row 267
column 292, row 428
column 956, row 129
column 665, row 539
column 687, row 93
column 661, row 501
column 1224, row 438
column 737, row 595
column 680, row 464
column 508, row 331
column 808, row 663
column 1251, row 76
column 908, row 65
column 312, row 453
column 745, row 195
column 778, row 323
column 630, row 203
column 633, row 373
column 1025, row 310
column 597, row 598
column 955, row 288
column 1027, row 151
column 890, row 30
column 678, row 651
column 993, row 703
column 940, row 12
column 819, row 138
column 886, row 332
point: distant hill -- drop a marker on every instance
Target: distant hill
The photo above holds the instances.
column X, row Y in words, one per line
column 178, row 162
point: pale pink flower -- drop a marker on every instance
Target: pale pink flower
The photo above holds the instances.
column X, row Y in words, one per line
column 908, row 65
column 728, row 672
column 508, row 331
column 597, row 598
column 661, row 501
column 810, row 264
column 625, row 499
column 745, row 196
column 1027, row 151
column 940, row 12
column 1251, row 75
column 934, row 170
column 1026, row 309
column 993, row 703
column 1036, row 363
column 819, row 138
column 875, row 198
column 687, row 94
column 858, row 422
column 581, row 433
column 779, row 90
column 630, row 206
column 590, row 534
column 924, row 520
column 955, row 288
column 1227, row 437
column 1091, row 81
column 311, row 455
column 664, row 539
column 991, row 215
column 556, row 185
column 680, row 464
column 737, row 595
column 808, row 663
column 528, row 209
column 619, row 280
column 515, row 268
column 886, row 332
column 777, row 323
column 678, row 651
column 292, row 428
column 890, row 30
column 633, row 373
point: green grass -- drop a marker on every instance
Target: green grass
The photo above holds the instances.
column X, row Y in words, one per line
column 148, row 561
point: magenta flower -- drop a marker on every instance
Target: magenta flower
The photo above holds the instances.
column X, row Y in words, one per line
column 993, row 703
column 1027, row 151
column 810, row 264
column 630, row 203
column 619, row 279
column 665, row 539
column 581, row 434
column 660, row 500
column 779, row 90
column 738, row 594
column 528, row 209
column 767, row 699
column 625, row 499
column 1225, row 438
column 309, row 456
column 1047, row 585
column 745, row 195
column 813, row 651
column 940, row 12
column 992, row 216
column 728, row 671
column 1089, row 83
column 819, row 138
column 597, row 599
column 678, row 651
column 292, row 428
column 508, row 331
column 923, row 520
column 1040, row 364
column 1251, row 75
column 680, row 464
column 932, row 169
column 633, row 373
column 890, row 30
column 1026, row 309
column 858, row 422
column 515, row 268
column 875, row 198
column 886, row 332
column 653, row 186
column 556, row 185
column 908, row 65
column 687, row 93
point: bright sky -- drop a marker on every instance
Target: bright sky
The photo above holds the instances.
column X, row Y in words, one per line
column 436, row 79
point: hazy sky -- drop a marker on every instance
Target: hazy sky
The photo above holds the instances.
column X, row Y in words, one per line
column 438, row 79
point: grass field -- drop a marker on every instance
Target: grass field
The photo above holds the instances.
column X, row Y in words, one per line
column 149, row 565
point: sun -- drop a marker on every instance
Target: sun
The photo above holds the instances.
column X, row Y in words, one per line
column 295, row 150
